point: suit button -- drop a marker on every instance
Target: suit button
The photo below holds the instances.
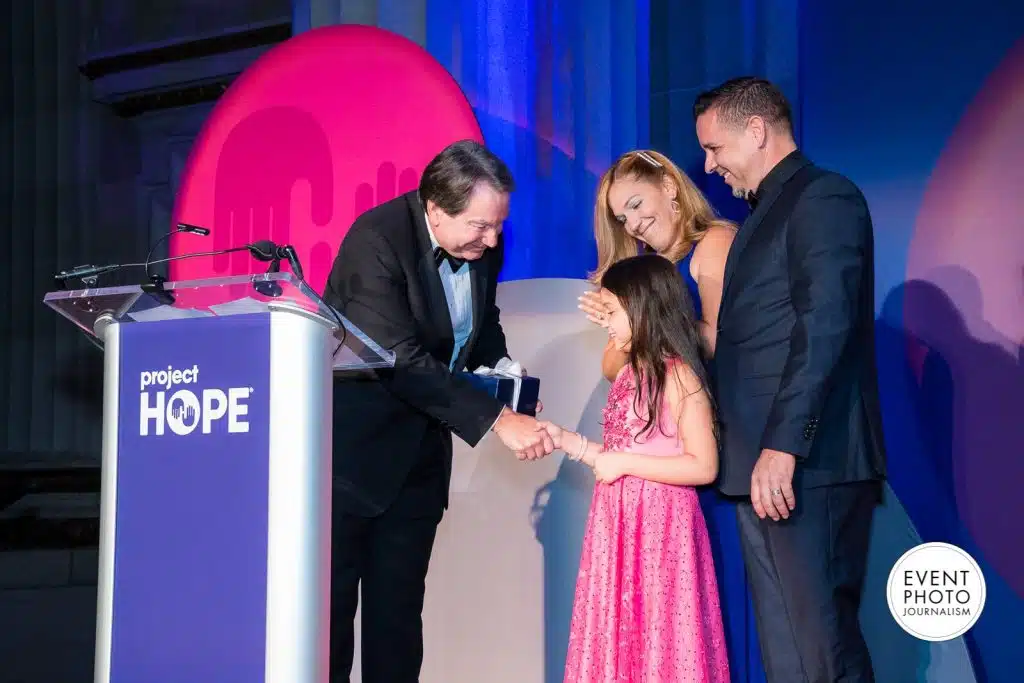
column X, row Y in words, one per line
column 809, row 430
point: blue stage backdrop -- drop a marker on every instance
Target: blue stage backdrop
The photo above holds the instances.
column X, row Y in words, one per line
column 555, row 87
column 921, row 103
column 913, row 101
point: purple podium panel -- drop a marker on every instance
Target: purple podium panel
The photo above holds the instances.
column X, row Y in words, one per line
column 191, row 529
column 215, row 515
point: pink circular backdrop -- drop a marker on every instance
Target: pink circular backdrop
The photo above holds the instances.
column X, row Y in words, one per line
column 968, row 251
column 322, row 127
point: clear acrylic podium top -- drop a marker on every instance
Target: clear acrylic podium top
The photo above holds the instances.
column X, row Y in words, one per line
column 93, row 309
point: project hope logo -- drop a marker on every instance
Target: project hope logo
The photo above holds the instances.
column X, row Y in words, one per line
column 184, row 410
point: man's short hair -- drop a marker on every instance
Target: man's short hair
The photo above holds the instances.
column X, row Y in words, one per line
column 449, row 178
column 738, row 99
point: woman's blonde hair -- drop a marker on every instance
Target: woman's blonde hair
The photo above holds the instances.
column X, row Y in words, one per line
column 694, row 217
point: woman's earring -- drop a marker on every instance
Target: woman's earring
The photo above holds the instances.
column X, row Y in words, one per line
column 675, row 206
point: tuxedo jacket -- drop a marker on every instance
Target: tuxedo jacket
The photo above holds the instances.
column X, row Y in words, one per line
column 385, row 280
column 794, row 360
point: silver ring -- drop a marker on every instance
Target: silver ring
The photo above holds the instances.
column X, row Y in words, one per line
column 776, row 492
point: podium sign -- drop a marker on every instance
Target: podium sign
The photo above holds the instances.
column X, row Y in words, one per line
column 216, row 486
column 190, row 550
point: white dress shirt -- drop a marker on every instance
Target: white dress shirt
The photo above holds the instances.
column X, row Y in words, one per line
column 458, row 293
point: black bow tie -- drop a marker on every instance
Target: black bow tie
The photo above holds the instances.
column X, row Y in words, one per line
column 752, row 200
column 440, row 256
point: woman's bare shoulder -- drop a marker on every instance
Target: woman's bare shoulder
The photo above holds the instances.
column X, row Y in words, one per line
column 718, row 238
column 714, row 245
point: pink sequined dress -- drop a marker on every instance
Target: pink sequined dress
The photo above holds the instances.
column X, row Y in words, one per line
column 646, row 607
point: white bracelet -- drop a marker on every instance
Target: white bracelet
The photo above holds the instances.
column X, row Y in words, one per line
column 569, row 455
column 584, row 443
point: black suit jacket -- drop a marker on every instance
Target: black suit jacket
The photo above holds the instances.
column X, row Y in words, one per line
column 795, row 354
column 385, row 280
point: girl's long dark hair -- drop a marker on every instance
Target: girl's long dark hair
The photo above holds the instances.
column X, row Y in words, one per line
column 664, row 326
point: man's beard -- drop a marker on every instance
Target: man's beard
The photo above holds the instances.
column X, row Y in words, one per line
column 740, row 193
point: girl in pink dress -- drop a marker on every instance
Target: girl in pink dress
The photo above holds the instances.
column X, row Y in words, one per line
column 646, row 607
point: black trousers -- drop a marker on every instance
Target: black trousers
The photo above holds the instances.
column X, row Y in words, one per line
column 389, row 556
column 806, row 575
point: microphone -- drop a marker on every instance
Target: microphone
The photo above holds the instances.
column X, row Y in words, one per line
column 89, row 273
column 85, row 272
column 265, row 250
column 293, row 260
column 261, row 250
column 155, row 286
column 195, row 229
column 181, row 227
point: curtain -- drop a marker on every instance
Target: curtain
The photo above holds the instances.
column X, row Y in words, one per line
column 50, row 375
column 697, row 45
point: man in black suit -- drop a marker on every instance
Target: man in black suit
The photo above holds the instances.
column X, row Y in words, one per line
column 796, row 385
column 418, row 274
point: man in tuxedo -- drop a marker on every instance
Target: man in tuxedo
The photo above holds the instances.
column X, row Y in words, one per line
column 796, row 385
column 418, row 274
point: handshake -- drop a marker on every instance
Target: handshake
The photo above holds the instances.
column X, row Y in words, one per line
column 533, row 439
column 527, row 436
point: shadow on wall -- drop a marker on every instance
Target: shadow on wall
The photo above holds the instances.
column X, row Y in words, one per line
column 498, row 601
column 502, row 579
column 952, row 388
column 895, row 654
column 503, row 574
column 560, row 515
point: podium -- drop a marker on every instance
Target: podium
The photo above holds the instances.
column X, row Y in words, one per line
column 214, row 559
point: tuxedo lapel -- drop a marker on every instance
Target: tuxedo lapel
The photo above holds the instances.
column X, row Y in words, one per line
column 772, row 185
column 430, row 278
column 741, row 239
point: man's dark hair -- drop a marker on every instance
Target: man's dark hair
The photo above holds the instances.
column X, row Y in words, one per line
column 449, row 178
column 738, row 99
